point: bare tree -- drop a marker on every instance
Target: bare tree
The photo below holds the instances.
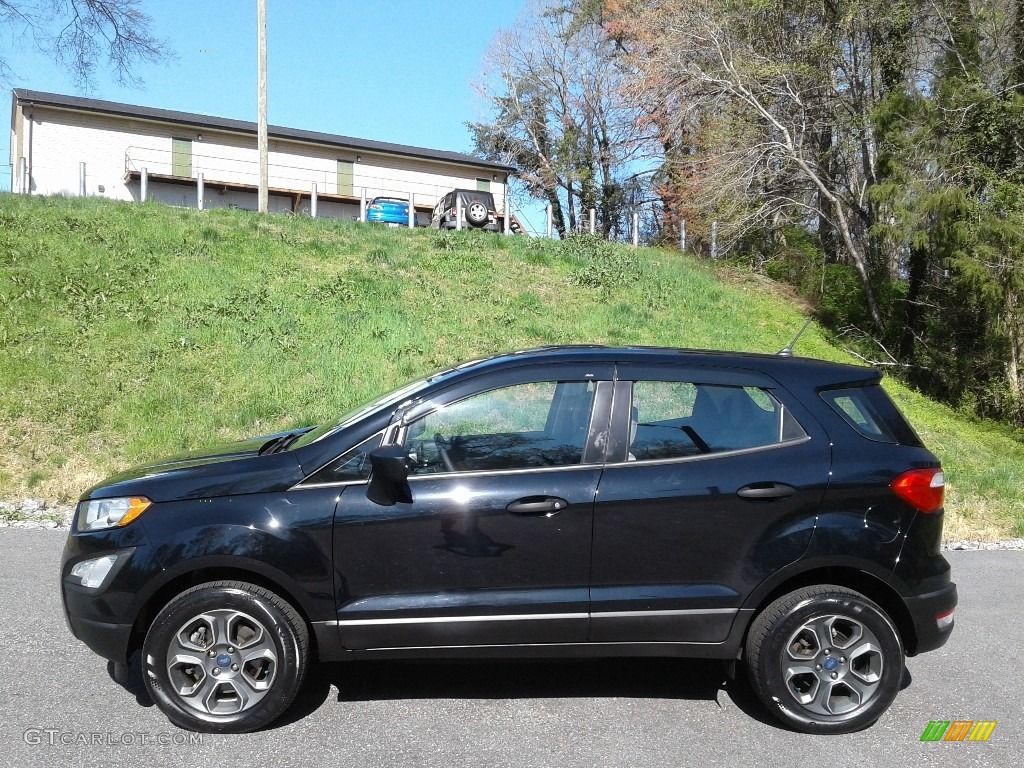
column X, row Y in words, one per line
column 80, row 34
column 774, row 108
column 558, row 114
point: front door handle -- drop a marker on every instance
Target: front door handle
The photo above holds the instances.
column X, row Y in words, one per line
column 766, row 491
column 537, row 506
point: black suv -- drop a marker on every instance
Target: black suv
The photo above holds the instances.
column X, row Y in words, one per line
column 477, row 211
column 560, row 502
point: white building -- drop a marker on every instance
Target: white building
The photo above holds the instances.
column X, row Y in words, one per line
column 70, row 145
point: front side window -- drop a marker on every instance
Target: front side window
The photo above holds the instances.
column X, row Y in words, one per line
column 526, row 426
column 671, row 419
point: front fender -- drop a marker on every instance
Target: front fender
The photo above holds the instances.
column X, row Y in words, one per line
column 284, row 538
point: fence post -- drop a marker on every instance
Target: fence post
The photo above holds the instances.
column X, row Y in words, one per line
column 313, row 199
column 143, row 184
column 682, row 235
column 362, row 204
column 200, row 190
column 508, row 215
column 549, row 219
column 458, row 211
column 593, row 221
column 714, row 240
column 412, row 210
column 81, row 179
column 636, row 228
column 22, row 175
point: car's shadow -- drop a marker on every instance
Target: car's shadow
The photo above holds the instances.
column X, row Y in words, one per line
column 602, row 678
column 129, row 677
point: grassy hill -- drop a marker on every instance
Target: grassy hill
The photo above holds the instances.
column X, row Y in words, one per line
column 128, row 331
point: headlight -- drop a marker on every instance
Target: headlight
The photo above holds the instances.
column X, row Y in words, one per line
column 93, row 572
column 99, row 514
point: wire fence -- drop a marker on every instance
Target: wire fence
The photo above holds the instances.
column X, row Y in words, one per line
column 295, row 178
column 282, row 175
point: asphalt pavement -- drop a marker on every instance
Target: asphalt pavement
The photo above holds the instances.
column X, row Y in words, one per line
column 59, row 704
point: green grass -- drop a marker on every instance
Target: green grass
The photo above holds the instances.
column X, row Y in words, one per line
column 129, row 332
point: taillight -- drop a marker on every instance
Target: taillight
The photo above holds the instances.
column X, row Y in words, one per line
column 944, row 620
column 921, row 488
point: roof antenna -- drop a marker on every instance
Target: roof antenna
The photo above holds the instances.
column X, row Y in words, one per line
column 787, row 351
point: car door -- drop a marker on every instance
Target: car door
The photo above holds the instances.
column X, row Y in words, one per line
column 713, row 481
column 494, row 547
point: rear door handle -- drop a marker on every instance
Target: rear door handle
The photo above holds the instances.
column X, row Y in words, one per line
column 766, row 491
column 537, row 506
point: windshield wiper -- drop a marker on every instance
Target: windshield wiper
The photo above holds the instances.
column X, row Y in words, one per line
column 279, row 444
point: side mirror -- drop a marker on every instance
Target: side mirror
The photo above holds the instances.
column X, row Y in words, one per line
column 389, row 474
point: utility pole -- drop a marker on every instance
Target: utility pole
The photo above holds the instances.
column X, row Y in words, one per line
column 261, row 33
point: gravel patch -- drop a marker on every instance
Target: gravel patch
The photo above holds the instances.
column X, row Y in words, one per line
column 974, row 546
column 36, row 513
column 39, row 513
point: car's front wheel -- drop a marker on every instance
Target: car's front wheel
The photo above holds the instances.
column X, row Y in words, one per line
column 825, row 659
column 225, row 657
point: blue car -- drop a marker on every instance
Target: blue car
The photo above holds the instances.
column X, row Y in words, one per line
column 392, row 211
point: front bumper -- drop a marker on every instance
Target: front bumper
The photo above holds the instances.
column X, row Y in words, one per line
column 924, row 610
column 103, row 617
column 111, row 641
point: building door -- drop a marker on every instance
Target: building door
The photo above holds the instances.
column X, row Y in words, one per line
column 181, row 157
column 346, row 177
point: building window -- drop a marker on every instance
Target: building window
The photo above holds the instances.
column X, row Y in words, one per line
column 483, row 185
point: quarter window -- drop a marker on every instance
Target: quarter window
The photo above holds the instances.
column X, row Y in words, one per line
column 672, row 419
column 541, row 424
column 870, row 411
column 351, row 466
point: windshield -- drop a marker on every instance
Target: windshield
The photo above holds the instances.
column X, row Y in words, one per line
column 390, row 399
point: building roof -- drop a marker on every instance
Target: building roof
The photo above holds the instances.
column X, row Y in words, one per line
column 244, row 126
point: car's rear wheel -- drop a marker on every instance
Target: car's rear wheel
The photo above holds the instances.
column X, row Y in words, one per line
column 825, row 659
column 476, row 213
column 225, row 657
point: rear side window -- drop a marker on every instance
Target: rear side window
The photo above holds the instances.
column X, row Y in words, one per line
column 871, row 413
column 674, row 419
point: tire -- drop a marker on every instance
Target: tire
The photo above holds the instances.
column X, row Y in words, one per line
column 825, row 659
column 225, row 657
column 476, row 213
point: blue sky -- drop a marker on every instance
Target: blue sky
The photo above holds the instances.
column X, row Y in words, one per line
column 397, row 71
